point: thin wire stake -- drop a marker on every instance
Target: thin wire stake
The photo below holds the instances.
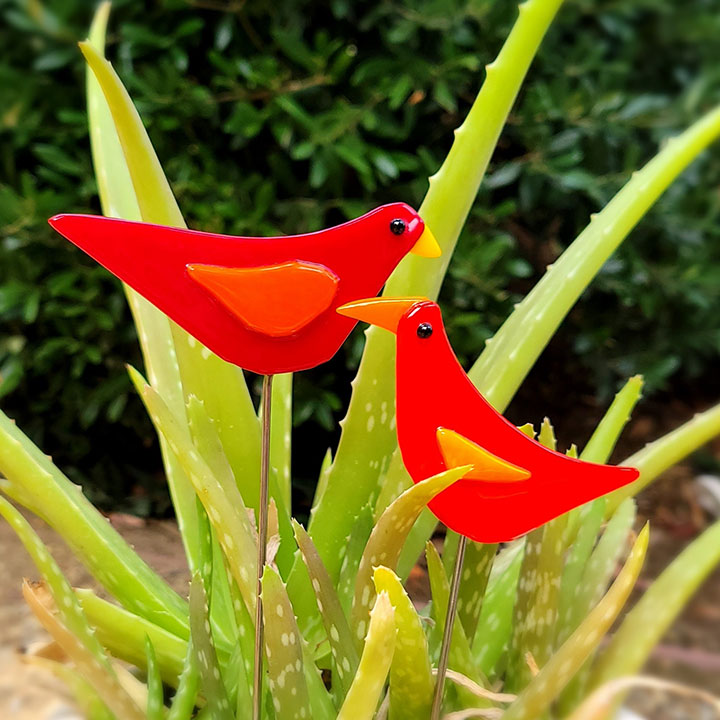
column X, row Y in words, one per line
column 262, row 545
column 447, row 633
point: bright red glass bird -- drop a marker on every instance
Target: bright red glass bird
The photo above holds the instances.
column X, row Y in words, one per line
column 265, row 304
column 516, row 483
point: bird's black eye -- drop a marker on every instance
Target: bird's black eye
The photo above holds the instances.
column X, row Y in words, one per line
column 424, row 330
column 398, row 226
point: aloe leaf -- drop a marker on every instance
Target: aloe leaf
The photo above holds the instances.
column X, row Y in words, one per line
column 183, row 702
column 281, row 435
column 69, row 609
column 495, row 624
column 460, row 657
column 509, row 355
column 117, row 198
column 411, row 680
column 84, row 695
column 478, row 563
column 596, row 577
column 31, row 479
column 387, row 538
column 221, row 385
column 342, row 646
column 536, row 607
column 218, row 705
column 354, row 476
column 155, row 703
column 569, row 658
column 665, row 452
column 646, row 623
column 364, row 694
column 361, row 529
column 129, row 644
column 97, row 674
column 222, row 502
column 602, row 442
column 283, row 644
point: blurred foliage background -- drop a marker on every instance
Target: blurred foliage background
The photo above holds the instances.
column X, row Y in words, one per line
column 293, row 115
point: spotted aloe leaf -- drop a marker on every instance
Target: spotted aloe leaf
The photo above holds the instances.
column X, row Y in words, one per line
column 647, row 622
column 283, row 646
column 509, row 355
column 570, row 657
column 221, row 385
column 364, row 694
column 495, row 625
column 222, row 502
column 185, row 698
column 31, row 479
column 536, row 606
column 479, row 558
column 595, row 578
column 213, row 688
column 344, row 656
column 102, row 679
column 354, row 478
column 460, row 658
column 387, row 539
column 411, row 680
column 361, row 529
column 118, row 199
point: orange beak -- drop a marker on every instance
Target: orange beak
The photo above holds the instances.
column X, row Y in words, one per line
column 383, row 312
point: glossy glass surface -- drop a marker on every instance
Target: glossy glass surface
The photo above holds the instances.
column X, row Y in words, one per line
column 288, row 322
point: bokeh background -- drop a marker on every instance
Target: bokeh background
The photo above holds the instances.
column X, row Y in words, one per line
column 289, row 116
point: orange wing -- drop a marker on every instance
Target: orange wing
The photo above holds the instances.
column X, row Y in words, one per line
column 275, row 300
column 457, row 450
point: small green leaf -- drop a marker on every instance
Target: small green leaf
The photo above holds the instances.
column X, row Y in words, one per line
column 545, row 687
column 342, row 647
column 155, row 703
column 411, row 680
column 218, row 705
column 387, row 539
column 283, row 643
column 478, row 563
column 364, row 694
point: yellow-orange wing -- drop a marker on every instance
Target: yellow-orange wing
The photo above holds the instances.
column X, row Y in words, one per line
column 275, row 300
column 457, row 450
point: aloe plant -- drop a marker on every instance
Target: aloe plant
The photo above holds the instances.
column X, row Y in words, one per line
column 343, row 639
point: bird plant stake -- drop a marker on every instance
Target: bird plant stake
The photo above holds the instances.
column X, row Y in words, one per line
column 264, row 304
column 513, row 483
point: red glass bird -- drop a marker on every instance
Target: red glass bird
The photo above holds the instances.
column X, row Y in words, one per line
column 265, row 304
column 516, row 483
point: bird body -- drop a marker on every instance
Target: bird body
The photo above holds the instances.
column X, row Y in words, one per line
column 443, row 421
column 265, row 304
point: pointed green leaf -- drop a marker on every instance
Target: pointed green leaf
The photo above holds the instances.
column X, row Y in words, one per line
column 411, row 680
column 354, row 476
column 387, row 539
column 218, row 705
column 283, row 644
column 364, row 695
column 508, row 357
column 342, row 646
column 31, row 479
column 155, row 703
column 479, row 558
column 545, row 687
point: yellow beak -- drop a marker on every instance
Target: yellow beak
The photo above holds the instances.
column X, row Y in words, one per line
column 383, row 312
column 426, row 245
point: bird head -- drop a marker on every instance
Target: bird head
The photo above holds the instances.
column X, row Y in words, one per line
column 416, row 319
column 398, row 223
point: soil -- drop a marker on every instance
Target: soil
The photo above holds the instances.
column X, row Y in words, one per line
column 689, row 653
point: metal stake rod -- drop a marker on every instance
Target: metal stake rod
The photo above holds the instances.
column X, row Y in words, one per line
column 447, row 634
column 262, row 545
